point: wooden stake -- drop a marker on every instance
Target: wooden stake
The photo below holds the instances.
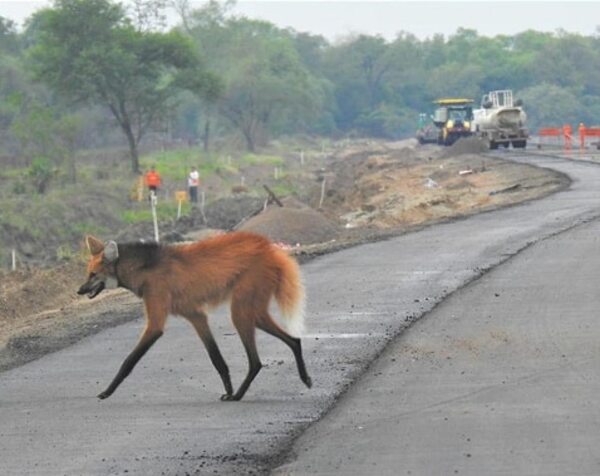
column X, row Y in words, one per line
column 322, row 193
column 202, row 203
column 153, row 201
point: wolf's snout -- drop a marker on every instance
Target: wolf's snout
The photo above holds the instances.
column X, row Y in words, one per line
column 91, row 289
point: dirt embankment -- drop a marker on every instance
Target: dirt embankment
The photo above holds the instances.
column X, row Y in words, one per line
column 364, row 191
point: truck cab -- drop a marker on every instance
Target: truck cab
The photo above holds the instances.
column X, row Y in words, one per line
column 453, row 117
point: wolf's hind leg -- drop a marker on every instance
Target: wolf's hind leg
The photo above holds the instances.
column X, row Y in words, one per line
column 267, row 324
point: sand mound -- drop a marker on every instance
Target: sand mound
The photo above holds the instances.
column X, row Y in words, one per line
column 226, row 213
column 303, row 226
column 467, row 145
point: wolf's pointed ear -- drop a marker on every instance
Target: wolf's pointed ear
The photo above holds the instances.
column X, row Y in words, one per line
column 95, row 245
column 111, row 252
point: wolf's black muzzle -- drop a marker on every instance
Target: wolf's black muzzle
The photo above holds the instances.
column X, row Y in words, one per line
column 92, row 290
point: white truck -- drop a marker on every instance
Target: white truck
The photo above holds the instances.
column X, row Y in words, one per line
column 500, row 121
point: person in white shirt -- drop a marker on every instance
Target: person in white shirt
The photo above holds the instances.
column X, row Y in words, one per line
column 193, row 184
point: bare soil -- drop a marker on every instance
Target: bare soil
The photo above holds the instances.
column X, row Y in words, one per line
column 362, row 191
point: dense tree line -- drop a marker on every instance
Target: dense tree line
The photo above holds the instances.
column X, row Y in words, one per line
column 87, row 73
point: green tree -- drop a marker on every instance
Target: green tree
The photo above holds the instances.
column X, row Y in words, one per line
column 89, row 52
column 207, row 26
column 41, row 172
column 266, row 86
column 550, row 105
column 44, row 132
column 9, row 38
column 12, row 89
column 34, row 127
column 453, row 79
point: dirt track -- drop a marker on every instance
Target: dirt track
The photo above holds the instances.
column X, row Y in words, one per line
column 373, row 191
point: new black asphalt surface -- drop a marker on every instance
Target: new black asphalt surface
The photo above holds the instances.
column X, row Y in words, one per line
column 167, row 419
column 502, row 378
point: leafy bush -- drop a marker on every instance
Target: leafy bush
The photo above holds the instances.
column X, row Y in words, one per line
column 41, row 172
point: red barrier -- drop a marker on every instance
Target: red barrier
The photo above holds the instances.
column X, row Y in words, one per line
column 566, row 133
column 550, row 132
column 587, row 132
column 555, row 132
column 592, row 132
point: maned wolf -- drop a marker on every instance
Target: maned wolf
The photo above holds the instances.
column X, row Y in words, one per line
column 186, row 279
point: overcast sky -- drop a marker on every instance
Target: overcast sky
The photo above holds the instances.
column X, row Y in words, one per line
column 336, row 18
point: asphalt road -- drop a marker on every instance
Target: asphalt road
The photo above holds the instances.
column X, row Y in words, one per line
column 501, row 379
column 413, row 410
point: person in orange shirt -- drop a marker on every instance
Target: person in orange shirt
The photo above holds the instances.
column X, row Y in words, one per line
column 152, row 180
column 567, row 136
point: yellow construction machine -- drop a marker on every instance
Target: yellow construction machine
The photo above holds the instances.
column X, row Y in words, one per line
column 453, row 118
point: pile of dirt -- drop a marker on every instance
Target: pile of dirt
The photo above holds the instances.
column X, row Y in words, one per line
column 226, row 213
column 401, row 187
column 466, row 145
column 293, row 225
column 25, row 293
column 222, row 214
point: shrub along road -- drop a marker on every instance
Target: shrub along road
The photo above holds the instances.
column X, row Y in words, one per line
column 166, row 418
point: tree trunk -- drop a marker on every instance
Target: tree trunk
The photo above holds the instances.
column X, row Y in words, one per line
column 133, row 150
column 250, row 143
column 206, row 137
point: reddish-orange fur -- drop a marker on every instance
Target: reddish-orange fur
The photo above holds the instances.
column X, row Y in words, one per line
column 188, row 279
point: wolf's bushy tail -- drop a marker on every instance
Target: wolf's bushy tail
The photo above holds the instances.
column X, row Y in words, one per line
column 290, row 293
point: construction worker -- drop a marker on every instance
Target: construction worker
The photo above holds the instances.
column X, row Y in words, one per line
column 152, row 180
column 581, row 136
column 567, row 136
column 193, row 183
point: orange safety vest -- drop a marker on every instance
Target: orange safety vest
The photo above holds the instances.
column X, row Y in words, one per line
column 152, row 179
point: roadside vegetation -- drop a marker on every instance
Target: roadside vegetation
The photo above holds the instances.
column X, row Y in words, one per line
column 48, row 227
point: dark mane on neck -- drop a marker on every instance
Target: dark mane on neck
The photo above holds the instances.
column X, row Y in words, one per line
column 146, row 255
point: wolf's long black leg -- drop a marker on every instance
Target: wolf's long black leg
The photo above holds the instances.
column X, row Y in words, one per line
column 149, row 337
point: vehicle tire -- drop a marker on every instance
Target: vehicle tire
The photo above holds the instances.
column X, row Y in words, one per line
column 493, row 145
column 519, row 144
